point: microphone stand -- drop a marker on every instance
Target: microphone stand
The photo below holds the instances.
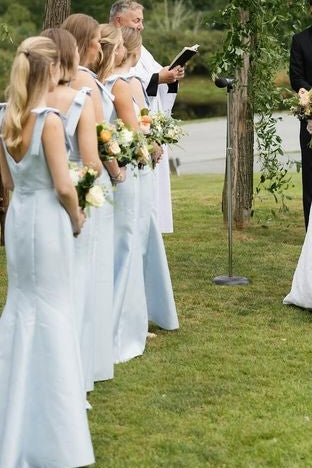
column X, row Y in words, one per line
column 229, row 280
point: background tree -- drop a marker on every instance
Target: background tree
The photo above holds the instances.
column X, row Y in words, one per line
column 255, row 49
column 56, row 11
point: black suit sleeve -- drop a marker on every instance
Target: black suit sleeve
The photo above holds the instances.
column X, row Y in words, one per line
column 152, row 86
column 173, row 87
column 296, row 67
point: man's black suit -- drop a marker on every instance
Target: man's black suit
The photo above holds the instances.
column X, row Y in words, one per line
column 300, row 73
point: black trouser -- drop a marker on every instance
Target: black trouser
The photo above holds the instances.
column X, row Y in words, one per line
column 306, row 158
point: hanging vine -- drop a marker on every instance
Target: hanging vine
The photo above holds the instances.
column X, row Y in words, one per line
column 269, row 30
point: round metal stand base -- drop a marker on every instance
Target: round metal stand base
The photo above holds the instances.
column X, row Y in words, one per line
column 230, row 280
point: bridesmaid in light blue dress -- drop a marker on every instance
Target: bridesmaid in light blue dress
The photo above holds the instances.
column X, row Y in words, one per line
column 86, row 31
column 78, row 113
column 130, row 311
column 42, row 400
column 158, row 288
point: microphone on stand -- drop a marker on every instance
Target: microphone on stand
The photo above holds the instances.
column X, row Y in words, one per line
column 223, row 82
column 229, row 279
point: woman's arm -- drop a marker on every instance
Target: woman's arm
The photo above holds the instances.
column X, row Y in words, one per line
column 54, row 147
column 87, row 139
column 137, row 92
column 6, row 177
column 124, row 104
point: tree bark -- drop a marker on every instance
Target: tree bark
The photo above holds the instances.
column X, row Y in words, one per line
column 242, row 135
column 55, row 12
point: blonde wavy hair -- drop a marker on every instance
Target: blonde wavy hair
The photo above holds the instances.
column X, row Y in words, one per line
column 132, row 40
column 84, row 29
column 110, row 40
column 30, row 74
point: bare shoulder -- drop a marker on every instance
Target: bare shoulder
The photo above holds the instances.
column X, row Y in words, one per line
column 87, row 106
column 120, row 86
column 61, row 98
column 64, row 91
column 83, row 79
column 135, row 83
column 52, row 123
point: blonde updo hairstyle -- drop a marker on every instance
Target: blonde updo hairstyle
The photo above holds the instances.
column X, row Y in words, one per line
column 66, row 44
column 132, row 41
column 110, row 40
column 83, row 28
column 29, row 77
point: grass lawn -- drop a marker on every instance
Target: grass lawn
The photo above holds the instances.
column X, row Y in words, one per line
column 232, row 387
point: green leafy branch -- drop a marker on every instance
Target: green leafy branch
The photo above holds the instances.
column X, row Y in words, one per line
column 265, row 37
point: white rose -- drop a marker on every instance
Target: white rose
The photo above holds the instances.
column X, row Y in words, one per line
column 74, row 175
column 126, row 137
column 95, row 196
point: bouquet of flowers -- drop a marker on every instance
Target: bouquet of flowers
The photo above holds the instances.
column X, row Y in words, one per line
column 88, row 193
column 119, row 142
column 160, row 128
column 301, row 106
column 108, row 146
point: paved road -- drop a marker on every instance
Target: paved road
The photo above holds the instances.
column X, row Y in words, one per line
column 203, row 149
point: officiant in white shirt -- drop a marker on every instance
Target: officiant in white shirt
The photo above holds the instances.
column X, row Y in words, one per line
column 161, row 85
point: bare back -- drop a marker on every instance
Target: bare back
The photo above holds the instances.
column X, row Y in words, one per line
column 61, row 98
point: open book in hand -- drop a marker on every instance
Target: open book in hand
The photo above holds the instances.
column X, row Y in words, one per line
column 184, row 56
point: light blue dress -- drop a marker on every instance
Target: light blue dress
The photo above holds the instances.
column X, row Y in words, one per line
column 42, row 400
column 158, row 288
column 130, row 309
column 84, row 267
column 103, row 239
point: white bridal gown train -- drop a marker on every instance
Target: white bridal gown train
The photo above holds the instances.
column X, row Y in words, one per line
column 301, row 289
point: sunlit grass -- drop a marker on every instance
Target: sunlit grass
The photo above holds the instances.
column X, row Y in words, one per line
column 232, row 387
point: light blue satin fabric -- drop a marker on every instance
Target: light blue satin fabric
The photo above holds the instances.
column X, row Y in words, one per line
column 84, row 267
column 42, row 400
column 158, row 288
column 103, row 260
column 130, row 310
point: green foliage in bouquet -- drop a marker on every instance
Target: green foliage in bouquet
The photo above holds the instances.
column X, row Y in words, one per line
column 120, row 142
column 88, row 193
column 108, row 147
column 161, row 128
column 83, row 187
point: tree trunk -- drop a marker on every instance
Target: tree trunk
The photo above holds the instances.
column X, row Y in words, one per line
column 55, row 12
column 242, row 135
